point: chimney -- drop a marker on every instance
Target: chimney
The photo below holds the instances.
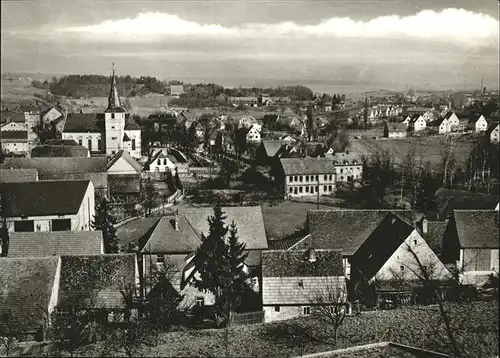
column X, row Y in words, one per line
column 176, row 220
column 424, row 225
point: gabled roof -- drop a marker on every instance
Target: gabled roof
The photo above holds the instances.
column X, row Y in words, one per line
column 126, row 156
column 41, row 198
column 47, row 110
column 134, row 230
column 60, row 151
column 131, row 124
column 342, row 158
column 95, row 279
column 381, row 244
column 491, row 127
column 434, row 235
column 83, row 123
column 55, row 243
column 11, row 116
column 193, row 222
column 449, row 114
column 477, row 228
column 295, row 263
column 396, row 127
column 346, row 230
column 271, row 147
column 300, row 166
column 14, row 135
column 476, row 117
column 436, row 123
column 18, row 175
column 124, row 184
column 26, row 286
column 57, row 167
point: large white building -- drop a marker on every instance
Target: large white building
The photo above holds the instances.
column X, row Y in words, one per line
column 107, row 132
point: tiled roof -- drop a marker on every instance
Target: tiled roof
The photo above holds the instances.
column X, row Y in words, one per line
column 295, row 263
column 126, row 156
column 396, row 127
column 477, row 228
column 84, row 123
column 134, row 230
column 124, row 184
column 284, row 244
column 434, row 235
column 58, row 197
column 18, row 175
column 448, row 114
column 294, row 166
column 272, row 147
column 60, row 151
column 418, row 109
column 25, row 289
column 193, row 222
column 436, row 123
column 14, row 135
column 95, row 279
column 10, row 116
column 54, row 243
column 346, row 158
column 131, row 124
column 68, row 142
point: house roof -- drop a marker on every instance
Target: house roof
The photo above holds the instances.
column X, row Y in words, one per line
column 193, row 222
column 476, row 117
column 57, row 197
column 381, row 244
column 54, row 243
column 491, row 127
column 295, row 263
column 449, row 114
column 11, row 116
column 50, row 167
column 18, row 175
column 285, row 244
column 66, row 142
column 477, row 228
column 346, row 158
column 131, row 124
column 60, row 151
column 334, row 229
column 47, row 110
column 26, row 286
column 80, row 122
column 126, row 156
column 95, row 279
column 272, row 147
column 434, row 235
column 293, row 166
column 396, row 127
column 124, row 184
column 436, row 123
column 417, row 109
column 134, row 230
column 14, row 135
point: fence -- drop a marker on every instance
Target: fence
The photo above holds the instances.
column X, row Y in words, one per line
column 247, row 318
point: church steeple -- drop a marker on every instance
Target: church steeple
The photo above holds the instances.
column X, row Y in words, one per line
column 114, row 99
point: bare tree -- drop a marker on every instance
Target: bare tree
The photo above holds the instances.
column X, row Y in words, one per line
column 9, row 333
column 330, row 304
column 448, row 147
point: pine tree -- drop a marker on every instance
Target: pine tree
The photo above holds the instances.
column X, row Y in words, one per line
column 237, row 258
column 104, row 221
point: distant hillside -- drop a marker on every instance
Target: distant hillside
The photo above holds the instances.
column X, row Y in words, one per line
column 98, row 86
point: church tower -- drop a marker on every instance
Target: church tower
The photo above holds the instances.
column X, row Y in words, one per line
column 114, row 120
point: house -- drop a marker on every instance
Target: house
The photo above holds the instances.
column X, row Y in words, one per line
column 292, row 279
column 52, row 205
column 53, row 150
column 247, row 121
column 29, row 291
column 43, row 284
column 493, row 133
column 107, row 132
column 418, row 110
column 176, row 90
column 442, row 125
column 288, row 139
column 348, row 167
column 479, row 123
column 305, row 176
column 395, row 130
column 417, row 123
column 253, row 134
column 162, row 163
column 47, row 244
column 15, row 142
column 50, row 168
column 31, row 115
column 18, row 120
column 51, row 114
column 124, row 175
column 18, row 175
column 407, row 121
column 453, row 120
column 177, row 237
column 471, row 242
column 12, row 126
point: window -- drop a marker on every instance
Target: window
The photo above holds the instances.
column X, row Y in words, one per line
column 290, row 189
column 200, row 301
column 90, row 144
column 330, row 177
column 80, row 142
column 307, row 189
column 300, row 189
column 114, row 138
column 158, row 162
column 341, row 178
column 324, row 188
column 113, row 152
column 329, row 188
column 301, row 283
column 276, row 308
column 317, row 177
column 112, row 127
column 317, row 188
column 331, row 309
column 290, row 179
column 307, row 177
column 415, row 242
column 133, row 144
column 300, row 178
column 295, row 190
column 112, row 116
column 38, row 227
column 24, row 226
column 61, row 224
column 402, row 268
column 160, row 259
column 325, row 177
column 99, row 144
column 341, row 170
column 164, row 162
column 296, row 178
column 306, row 310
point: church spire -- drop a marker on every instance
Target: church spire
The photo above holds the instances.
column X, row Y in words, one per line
column 114, row 98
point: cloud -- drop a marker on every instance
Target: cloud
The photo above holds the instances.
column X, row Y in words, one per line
column 455, row 25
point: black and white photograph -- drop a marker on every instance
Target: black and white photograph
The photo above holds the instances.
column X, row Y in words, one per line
column 250, row 178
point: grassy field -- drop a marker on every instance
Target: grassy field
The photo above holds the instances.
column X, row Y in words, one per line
column 286, row 217
column 475, row 326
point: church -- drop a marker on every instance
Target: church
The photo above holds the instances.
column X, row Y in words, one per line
column 107, row 132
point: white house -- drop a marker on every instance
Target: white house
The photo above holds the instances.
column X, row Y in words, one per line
column 480, row 124
column 12, row 126
column 442, row 125
column 16, row 142
column 50, row 115
column 253, row 134
column 493, row 132
column 49, row 205
column 418, row 123
column 122, row 163
column 407, row 121
column 162, row 163
column 453, row 120
column 348, row 167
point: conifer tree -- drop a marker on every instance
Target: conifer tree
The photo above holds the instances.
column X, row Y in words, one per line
column 104, row 221
column 237, row 258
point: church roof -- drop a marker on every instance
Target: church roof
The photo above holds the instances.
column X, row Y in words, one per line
column 114, row 104
column 90, row 123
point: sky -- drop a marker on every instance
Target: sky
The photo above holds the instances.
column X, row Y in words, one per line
column 420, row 43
